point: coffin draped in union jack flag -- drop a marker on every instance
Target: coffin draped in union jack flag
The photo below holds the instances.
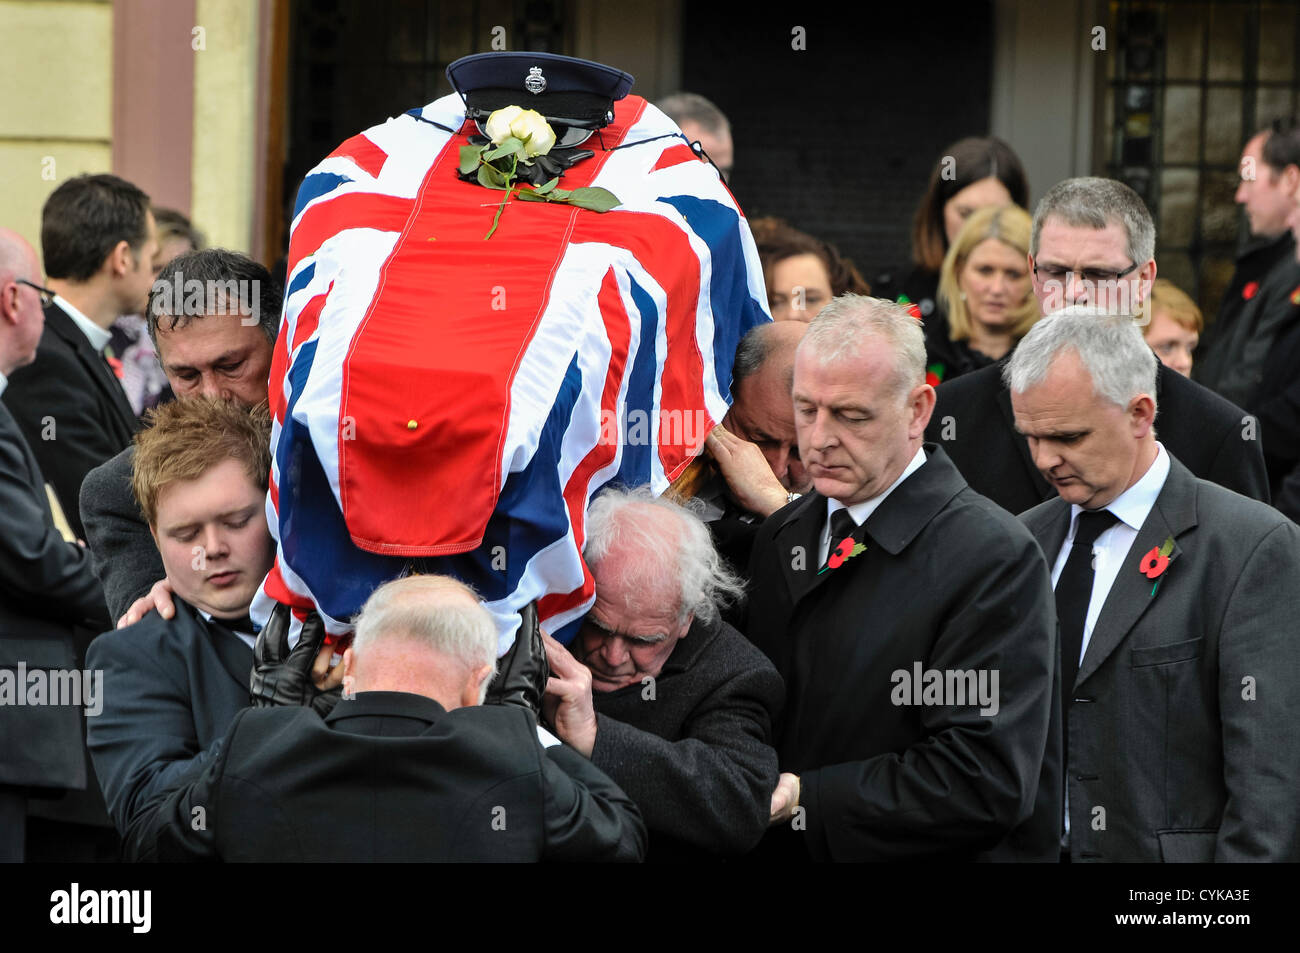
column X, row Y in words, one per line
column 451, row 404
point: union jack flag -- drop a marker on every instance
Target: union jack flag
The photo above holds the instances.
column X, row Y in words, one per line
column 450, row 403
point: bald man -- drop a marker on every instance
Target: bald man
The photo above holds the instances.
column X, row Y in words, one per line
column 52, row 602
column 755, row 449
column 409, row 766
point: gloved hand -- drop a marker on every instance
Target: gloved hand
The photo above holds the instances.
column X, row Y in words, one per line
column 283, row 677
column 522, row 672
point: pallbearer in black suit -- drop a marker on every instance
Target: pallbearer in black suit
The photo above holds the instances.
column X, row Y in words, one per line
column 409, row 766
column 98, row 239
column 173, row 686
column 912, row 620
column 1177, row 602
column 1093, row 244
column 49, row 599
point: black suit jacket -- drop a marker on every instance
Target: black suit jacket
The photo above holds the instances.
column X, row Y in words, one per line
column 171, row 689
column 695, row 752
column 50, row 605
column 947, row 582
column 391, row 776
column 71, row 409
column 125, row 557
column 974, row 423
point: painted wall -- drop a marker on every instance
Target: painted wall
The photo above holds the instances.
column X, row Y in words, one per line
column 56, row 91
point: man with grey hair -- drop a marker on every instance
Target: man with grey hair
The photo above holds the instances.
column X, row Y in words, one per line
column 702, row 122
column 409, row 766
column 668, row 700
column 1177, row 602
column 1092, row 245
column 911, row 618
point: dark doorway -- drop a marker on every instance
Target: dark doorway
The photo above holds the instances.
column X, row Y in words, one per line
column 839, row 139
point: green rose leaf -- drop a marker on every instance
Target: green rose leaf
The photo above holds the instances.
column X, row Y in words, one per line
column 491, row 177
column 469, row 158
column 546, row 187
column 596, row 199
column 533, row 196
column 510, row 146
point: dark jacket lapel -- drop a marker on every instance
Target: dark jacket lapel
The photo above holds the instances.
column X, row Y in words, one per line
column 61, row 323
column 894, row 524
column 235, row 656
column 798, row 541
column 1131, row 594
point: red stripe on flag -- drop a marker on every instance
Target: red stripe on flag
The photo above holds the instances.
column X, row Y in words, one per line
column 309, row 318
column 428, row 375
column 619, row 328
column 386, row 213
column 664, row 250
column 675, row 155
column 368, row 156
column 279, row 372
column 275, row 587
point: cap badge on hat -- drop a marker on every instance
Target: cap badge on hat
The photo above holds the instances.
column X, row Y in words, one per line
column 535, row 82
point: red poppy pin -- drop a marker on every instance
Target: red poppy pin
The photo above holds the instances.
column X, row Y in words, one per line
column 1295, row 295
column 1249, row 290
column 934, row 374
column 116, row 365
column 1155, row 562
column 847, row 549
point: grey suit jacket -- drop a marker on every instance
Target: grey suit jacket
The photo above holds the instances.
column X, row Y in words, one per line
column 123, row 552
column 1182, row 740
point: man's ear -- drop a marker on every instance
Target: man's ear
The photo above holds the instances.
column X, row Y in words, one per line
column 120, row 259
column 1147, row 279
column 1142, row 412
column 921, row 400
column 473, row 691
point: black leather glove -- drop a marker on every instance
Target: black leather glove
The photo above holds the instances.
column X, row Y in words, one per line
column 522, row 672
column 283, row 677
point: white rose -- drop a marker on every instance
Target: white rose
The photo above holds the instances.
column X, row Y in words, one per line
column 529, row 123
column 498, row 124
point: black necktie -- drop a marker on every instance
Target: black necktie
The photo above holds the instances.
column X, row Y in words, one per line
column 842, row 526
column 1073, row 592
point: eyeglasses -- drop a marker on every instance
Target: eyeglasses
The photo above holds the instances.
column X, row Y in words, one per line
column 1093, row 275
column 46, row 294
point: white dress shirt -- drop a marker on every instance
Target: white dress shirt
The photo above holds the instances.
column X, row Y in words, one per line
column 860, row 511
column 96, row 335
column 1110, row 552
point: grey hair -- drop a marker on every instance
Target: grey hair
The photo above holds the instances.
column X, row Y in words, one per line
column 671, row 543
column 692, row 107
column 1110, row 347
column 1093, row 202
column 841, row 326
column 416, row 607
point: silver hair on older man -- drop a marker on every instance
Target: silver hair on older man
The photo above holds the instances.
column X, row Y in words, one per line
column 671, row 543
column 840, row 327
column 442, row 613
column 1110, row 347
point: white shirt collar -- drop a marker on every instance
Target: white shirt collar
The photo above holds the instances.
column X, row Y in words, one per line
column 97, row 336
column 1133, row 506
column 4, row 382
column 860, row 511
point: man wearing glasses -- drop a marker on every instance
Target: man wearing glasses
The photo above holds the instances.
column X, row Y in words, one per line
column 1093, row 244
column 49, row 592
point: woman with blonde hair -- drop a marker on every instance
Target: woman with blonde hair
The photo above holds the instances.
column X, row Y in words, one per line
column 986, row 291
